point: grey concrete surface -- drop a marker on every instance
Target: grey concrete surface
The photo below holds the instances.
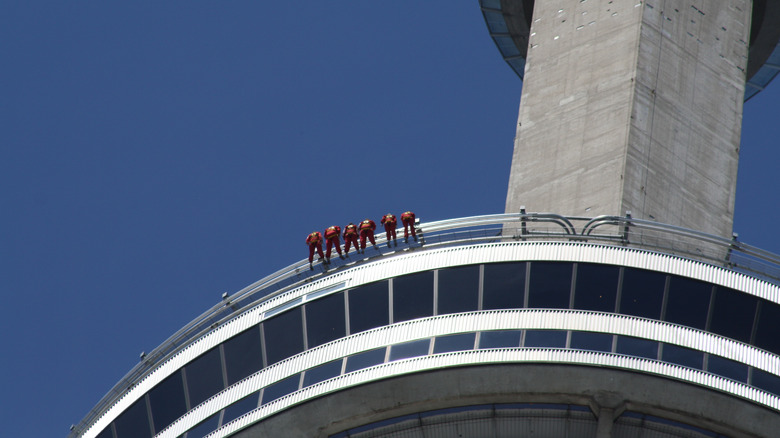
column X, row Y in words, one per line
column 632, row 105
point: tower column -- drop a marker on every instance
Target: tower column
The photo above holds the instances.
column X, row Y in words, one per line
column 633, row 105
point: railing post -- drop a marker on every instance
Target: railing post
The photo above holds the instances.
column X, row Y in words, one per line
column 523, row 229
column 734, row 245
column 626, row 228
column 419, row 231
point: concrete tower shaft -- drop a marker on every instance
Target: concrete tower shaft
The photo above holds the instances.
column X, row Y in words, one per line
column 631, row 105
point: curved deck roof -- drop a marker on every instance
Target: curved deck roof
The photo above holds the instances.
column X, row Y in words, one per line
column 448, row 236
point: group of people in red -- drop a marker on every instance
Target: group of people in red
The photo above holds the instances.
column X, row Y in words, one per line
column 351, row 233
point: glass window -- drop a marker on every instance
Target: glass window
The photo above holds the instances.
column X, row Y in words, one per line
column 500, row 339
column 134, row 421
column 413, row 296
column 727, row 368
column 631, row 346
column 591, row 341
column 409, row 349
column 322, row 372
column 365, row 359
column 503, row 286
column 550, row 285
column 766, row 381
column 733, row 314
column 325, row 320
column 204, row 376
column 167, row 401
column 243, row 355
column 241, row 407
column 369, row 307
column 682, row 356
column 688, row 302
column 283, row 335
column 545, row 339
column 204, row 427
column 459, row 342
column 107, row 433
column 281, row 388
column 768, row 330
column 642, row 293
column 458, row 289
column 596, row 287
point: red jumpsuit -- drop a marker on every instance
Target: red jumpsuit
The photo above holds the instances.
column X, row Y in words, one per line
column 332, row 239
column 367, row 228
column 315, row 242
column 390, row 223
column 408, row 220
column 351, row 237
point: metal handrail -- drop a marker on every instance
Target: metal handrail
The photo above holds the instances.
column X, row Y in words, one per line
column 730, row 254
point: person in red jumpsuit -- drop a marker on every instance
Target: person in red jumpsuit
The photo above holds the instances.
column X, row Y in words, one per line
column 315, row 243
column 408, row 220
column 351, row 238
column 332, row 239
column 366, row 229
column 390, row 223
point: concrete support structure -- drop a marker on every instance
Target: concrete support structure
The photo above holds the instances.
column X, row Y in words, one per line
column 631, row 105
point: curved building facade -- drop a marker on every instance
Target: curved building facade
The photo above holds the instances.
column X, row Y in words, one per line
column 479, row 332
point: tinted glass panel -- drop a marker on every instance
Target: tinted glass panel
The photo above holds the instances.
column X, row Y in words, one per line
column 409, row 349
column 682, row 356
column 204, row 427
column 167, row 401
column 134, row 422
column 504, row 286
column 322, row 372
column 637, row 347
column 325, row 320
column 766, row 381
column 642, row 293
column 458, row 289
column 241, row 407
column 596, row 287
column 281, row 388
column 365, row 360
column 545, row 339
column 768, row 330
column 500, row 339
column 591, row 341
column 413, row 296
column 727, row 368
column 688, row 302
column 204, row 377
column 459, row 342
column 550, row 285
column 107, row 433
column 369, row 307
column 283, row 335
column 243, row 355
column 733, row 314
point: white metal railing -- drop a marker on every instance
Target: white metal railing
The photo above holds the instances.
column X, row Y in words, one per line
column 510, row 227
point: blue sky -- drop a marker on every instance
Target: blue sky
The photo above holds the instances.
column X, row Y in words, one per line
column 157, row 154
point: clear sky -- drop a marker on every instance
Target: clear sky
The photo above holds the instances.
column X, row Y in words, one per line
column 154, row 155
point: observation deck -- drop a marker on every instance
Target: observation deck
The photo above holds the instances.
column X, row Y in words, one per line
column 610, row 299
